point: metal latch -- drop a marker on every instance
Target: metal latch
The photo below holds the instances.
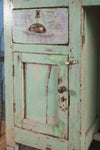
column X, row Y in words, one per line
column 73, row 62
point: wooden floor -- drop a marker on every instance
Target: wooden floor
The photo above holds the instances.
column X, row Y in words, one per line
column 3, row 138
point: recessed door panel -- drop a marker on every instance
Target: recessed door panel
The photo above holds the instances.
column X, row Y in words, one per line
column 41, row 93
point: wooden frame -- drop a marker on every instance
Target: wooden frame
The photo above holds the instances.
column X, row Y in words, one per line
column 91, row 2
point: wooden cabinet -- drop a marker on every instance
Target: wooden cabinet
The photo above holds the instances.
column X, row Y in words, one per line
column 49, row 76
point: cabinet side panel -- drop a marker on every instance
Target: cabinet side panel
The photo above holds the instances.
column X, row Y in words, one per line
column 89, row 72
column 8, row 74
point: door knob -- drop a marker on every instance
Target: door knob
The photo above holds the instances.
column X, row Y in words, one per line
column 62, row 89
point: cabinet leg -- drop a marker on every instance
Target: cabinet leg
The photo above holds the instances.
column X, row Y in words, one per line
column 16, row 146
column 13, row 148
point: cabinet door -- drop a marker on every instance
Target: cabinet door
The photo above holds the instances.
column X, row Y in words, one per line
column 41, row 93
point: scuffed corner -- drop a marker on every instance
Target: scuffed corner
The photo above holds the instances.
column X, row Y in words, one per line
column 59, row 131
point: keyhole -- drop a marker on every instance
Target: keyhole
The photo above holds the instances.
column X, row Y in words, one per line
column 37, row 14
column 62, row 99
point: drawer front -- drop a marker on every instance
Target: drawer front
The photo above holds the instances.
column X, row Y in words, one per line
column 40, row 26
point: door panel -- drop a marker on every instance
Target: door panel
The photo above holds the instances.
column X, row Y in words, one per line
column 41, row 93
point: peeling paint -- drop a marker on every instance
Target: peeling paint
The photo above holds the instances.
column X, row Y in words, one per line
column 59, row 131
column 60, row 61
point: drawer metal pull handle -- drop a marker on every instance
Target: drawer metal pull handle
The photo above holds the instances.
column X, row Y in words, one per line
column 37, row 27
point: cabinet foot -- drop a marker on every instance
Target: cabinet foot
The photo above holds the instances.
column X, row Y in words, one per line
column 13, row 148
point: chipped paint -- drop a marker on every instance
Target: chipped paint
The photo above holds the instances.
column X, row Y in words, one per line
column 59, row 131
column 40, row 28
column 60, row 61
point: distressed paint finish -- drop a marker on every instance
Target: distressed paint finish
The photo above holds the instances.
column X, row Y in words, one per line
column 90, row 133
column 89, row 57
column 52, row 124
column 39, row 3
column 36, row 96
column 56, row 32
column 91, row 2
column 8, row 77
column 42, row 49
column 39, row 141
column 74, row 74
column 42, row 94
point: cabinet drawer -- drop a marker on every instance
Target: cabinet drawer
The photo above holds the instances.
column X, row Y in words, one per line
column 40, row 26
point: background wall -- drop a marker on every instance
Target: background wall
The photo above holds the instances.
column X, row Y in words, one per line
column 1, row 52
column 2, row 95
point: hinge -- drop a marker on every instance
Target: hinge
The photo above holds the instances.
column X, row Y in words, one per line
column 71, row 62
column 13, row 73
column 14, row 107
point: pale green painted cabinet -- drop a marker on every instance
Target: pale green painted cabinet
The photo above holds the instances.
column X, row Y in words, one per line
column 51, row 73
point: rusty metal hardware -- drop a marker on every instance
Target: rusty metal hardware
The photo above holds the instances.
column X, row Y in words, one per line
column 63, row 104
column 37, row 27
column 61, row 89
column 37, row 14
column 71, row 62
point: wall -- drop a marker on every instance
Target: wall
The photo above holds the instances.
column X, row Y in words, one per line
column 1, row 48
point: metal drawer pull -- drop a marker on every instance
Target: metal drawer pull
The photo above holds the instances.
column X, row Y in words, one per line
column 37, row 27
